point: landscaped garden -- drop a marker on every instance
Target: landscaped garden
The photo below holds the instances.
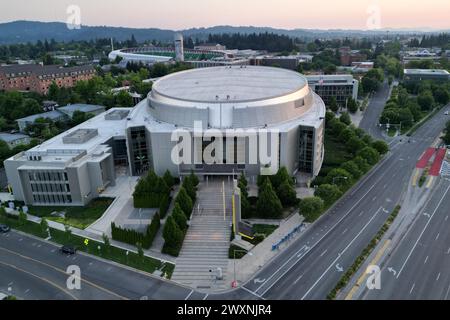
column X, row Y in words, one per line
column 78, row 217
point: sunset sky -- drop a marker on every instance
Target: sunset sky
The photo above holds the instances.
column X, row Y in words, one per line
column 290, row 14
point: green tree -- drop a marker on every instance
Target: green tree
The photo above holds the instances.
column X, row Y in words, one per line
column 352, row 168
column 425, row 100
column 362, row 164
column 370, row 155
column 68, row 232
column 44, row 225
column 345, row 118
column 194, row 179
column 381, row 146
column 328, row 193
column 287, row 194
column 185, row 202
column 352, row 105
column 180, row 217
column 173, row 237
column 441, row 95
column 169, row 179
column 268, row 205
column 333, row 105
column 311, row 208
column 123, row 100
column 339, row 177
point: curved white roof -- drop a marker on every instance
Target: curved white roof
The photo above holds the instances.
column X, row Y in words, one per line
column 235, row 84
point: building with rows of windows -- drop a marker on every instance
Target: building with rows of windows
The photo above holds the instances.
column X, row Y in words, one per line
column 213, row 121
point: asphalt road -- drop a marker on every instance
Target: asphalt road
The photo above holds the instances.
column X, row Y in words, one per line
column 419, row 266
column 313, row 265
column 308, row 269
column 373, row 112
column 35, row 269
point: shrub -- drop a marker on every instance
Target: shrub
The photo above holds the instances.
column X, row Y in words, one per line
column 180, row 217
column 268, row 205
column 149, row 191
column 345, row 118
column 169, row 179
column 173, row 237
column 185, row 202
column 132, row 236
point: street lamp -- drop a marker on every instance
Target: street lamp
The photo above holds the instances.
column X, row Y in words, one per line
column 341, row 177
column 234, row 284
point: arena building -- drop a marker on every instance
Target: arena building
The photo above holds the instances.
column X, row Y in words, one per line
column 213, row 121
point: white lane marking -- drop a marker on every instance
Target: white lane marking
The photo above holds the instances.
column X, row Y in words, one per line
column 412, row 288
column 340, row 255
column 189, row 295
column 426, row 260
column 423, row 231
column 253, row 293
column 362, row 212
column 438, row 276
column 437, row 237
column 206, row 297
column 446, row 218
column 374, row 198
column 448, row 291
column 323, row 253
column 298, row 279
column 333, row 227
column 448, row 251
column 345, row 231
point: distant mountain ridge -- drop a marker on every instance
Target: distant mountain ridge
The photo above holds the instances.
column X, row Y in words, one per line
column 32, row 31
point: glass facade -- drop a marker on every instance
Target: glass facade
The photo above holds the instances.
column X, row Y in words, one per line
column 340, row 92
column 306, row 149
column 139, row 150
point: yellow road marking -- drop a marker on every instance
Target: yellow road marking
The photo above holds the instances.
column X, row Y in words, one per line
column 364, row 275
column 62, row 271
column 415, row 178
column 430, row 182
column 40, row 278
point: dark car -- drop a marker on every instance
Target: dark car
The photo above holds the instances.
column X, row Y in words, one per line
column 68, row 249
column 4, row 228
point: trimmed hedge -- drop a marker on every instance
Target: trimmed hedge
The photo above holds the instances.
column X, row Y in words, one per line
column 133, row 237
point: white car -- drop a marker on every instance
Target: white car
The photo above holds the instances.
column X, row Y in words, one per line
column 446, row 113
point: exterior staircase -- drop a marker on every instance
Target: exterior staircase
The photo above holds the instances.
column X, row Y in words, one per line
column 205, row 248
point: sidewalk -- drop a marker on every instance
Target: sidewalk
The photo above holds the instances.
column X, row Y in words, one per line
column 95, row 237
column 262, row 253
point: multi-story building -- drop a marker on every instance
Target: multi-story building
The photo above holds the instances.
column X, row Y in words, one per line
column 412, row 75
column 348, row 56
column 245, row 114
column 14, row 140
column 342, row 87
column 210, row 47
column 38, row 78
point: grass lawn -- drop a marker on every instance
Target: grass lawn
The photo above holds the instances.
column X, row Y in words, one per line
column 93, row 247
column 236, row 252
column 265, row 229
column 78, row 217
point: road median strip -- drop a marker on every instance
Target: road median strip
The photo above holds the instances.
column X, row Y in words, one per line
column 343, row 282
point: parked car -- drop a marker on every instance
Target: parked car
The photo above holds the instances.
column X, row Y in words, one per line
column 68, row 249
column 4, row 228
column 446, row 113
